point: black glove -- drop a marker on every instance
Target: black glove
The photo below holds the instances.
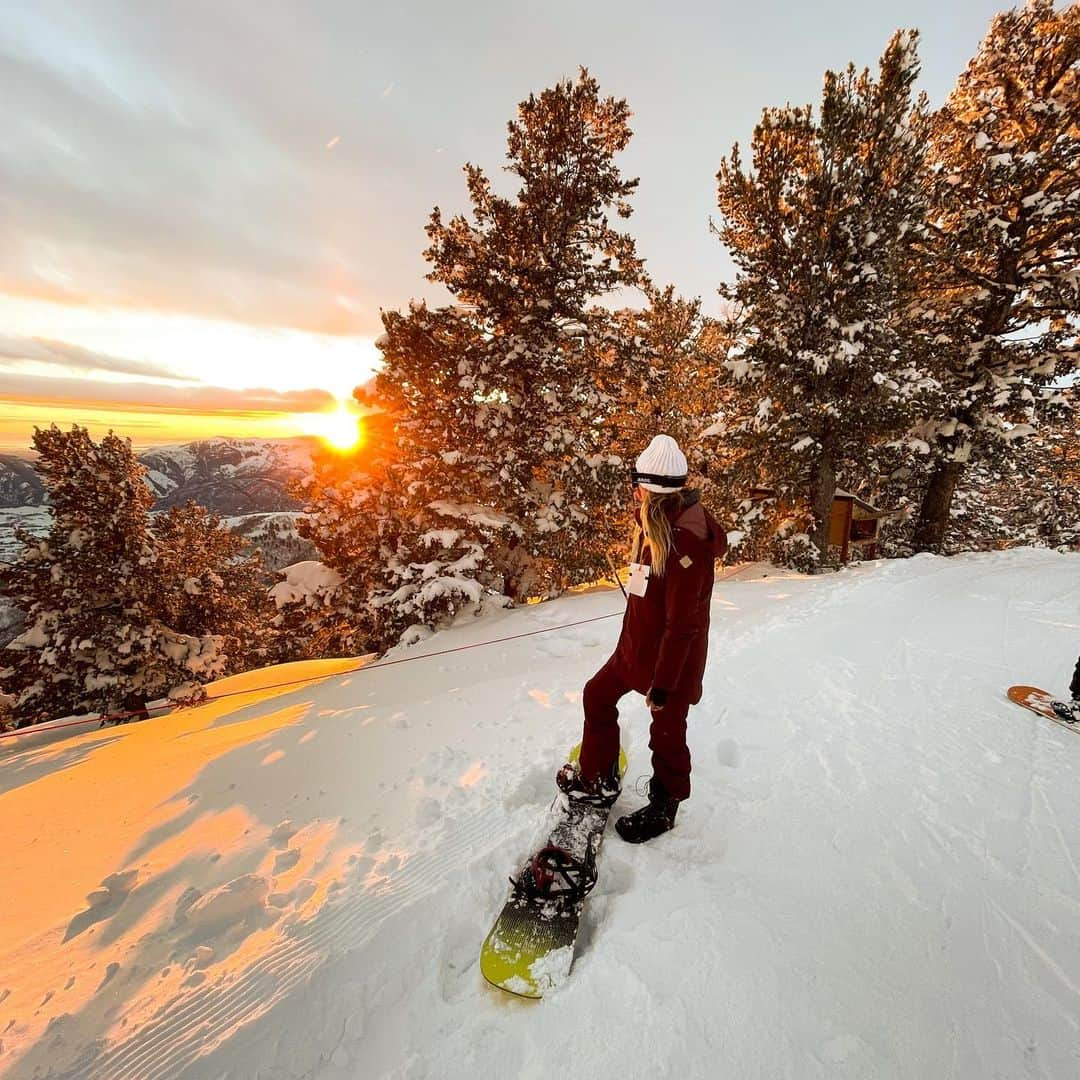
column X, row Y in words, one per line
column 656, row 698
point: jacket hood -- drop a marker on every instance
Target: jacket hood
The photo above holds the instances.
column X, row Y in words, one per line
column 699, row 523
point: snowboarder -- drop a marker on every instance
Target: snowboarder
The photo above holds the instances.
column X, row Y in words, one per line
column 662, row 646
column 1069, row 711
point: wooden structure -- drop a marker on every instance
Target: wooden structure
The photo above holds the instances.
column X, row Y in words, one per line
column 853, row 524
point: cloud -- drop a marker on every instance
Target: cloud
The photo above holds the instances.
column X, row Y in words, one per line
column 143, row 167
column 193, row 400
column 65, row 354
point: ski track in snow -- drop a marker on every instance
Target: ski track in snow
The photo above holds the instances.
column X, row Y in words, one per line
column 876, row 876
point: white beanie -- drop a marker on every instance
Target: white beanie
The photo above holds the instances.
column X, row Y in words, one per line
column 662, row 467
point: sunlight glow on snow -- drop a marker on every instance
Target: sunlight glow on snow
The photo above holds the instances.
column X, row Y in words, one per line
column 473, row 775
column 100, row 896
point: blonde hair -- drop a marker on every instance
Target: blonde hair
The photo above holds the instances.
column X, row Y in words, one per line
column 655, row 528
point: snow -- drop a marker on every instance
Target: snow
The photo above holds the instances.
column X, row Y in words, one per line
column 877, row 873
column 309, row 582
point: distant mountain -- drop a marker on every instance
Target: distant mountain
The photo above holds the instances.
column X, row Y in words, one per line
column 276, row 536
column 20, row 484
column 36, row 520
column 228, row 476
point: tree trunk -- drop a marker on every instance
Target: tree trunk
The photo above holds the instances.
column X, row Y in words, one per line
column 933, row 521
column 822, row 492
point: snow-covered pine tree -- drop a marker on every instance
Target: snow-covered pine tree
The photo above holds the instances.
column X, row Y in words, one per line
column 206, row 584
column 1002, row 281
column 820, row 230
column 7, row 707
column 94, row 640
column 668, row 382
column 398, row 552
column 500, row 415
column 1053, row 489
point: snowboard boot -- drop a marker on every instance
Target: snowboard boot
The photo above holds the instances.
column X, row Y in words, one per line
column 1068, row 711
column 655, row 817
column 600, row 793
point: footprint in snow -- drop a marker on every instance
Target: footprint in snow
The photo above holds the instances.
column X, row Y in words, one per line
column 459, row 955
column 103, row 902
column 727, row 753
column 531, row 790
column 286, row 860
column 616, row 875
column 428, row 812
column 282, row 833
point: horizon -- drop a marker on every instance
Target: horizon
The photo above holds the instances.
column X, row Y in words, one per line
column 197, row 247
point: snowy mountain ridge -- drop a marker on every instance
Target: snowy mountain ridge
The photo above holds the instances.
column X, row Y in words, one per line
column 874, row 877
column 229, row 476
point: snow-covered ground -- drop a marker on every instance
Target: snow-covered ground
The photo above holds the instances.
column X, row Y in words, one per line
column 878, row 874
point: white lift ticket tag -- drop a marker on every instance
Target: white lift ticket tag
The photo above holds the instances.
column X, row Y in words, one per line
column 638, row 581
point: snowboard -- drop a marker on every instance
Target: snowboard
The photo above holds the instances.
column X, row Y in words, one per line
column 1038, row 701
column 531, row 946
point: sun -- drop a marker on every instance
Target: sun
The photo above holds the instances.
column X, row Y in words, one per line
column 340, row 429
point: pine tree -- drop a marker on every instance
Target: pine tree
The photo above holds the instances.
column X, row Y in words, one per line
column 501, row 420
column 94, row 638
column 1052, row 492
column 401, row 557
column 207, row 585
column 1002, row 284
column 821, row 230
column 7, row 708
column 669, row 382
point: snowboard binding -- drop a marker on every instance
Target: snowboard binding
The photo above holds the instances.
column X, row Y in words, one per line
column 599, row 794
column 554, row 878
column 1067, row 711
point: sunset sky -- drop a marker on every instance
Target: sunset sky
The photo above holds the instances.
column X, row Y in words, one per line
column 203, row 206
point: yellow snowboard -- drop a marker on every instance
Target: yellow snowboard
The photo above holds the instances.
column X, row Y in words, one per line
column 531, row 946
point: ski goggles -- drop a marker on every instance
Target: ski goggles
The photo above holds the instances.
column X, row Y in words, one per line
column 671, row 482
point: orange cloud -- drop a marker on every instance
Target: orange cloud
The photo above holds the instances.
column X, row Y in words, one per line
column 46, row 392
column 150, row 413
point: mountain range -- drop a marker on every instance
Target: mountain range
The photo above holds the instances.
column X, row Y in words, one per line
column 228, row 476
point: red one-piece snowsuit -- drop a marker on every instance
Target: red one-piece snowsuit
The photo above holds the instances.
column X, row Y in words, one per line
column 663, row 644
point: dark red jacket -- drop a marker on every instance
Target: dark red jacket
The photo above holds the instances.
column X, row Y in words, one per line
column 665, row 633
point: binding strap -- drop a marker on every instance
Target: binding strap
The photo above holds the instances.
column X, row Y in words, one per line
column 554, row 874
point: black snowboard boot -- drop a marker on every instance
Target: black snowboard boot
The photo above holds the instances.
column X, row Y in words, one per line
column 1069, row 711
column 655, row 817
column 601, row 793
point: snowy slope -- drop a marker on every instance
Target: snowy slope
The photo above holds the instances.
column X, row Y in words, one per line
column 878, row 874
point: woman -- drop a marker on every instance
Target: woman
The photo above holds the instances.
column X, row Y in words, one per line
column 662, row 646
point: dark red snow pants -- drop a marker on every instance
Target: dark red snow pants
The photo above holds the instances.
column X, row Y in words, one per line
column 667, row 733
column 1074, row 687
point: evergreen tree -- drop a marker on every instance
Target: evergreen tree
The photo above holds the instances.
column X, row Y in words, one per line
column 7, row 709
column 1052, row 490
column 1001, row 284
column 398, row 555
column 501, row 421
column 821, row 230
column 94, row 639
column 669, row 382
column 207, row 585
column 309, row 621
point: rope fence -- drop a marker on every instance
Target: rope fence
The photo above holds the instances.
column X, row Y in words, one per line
column 182, row 704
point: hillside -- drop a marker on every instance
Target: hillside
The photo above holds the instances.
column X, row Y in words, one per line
column 246, row 480
column 876, row 876
column 229, row 476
